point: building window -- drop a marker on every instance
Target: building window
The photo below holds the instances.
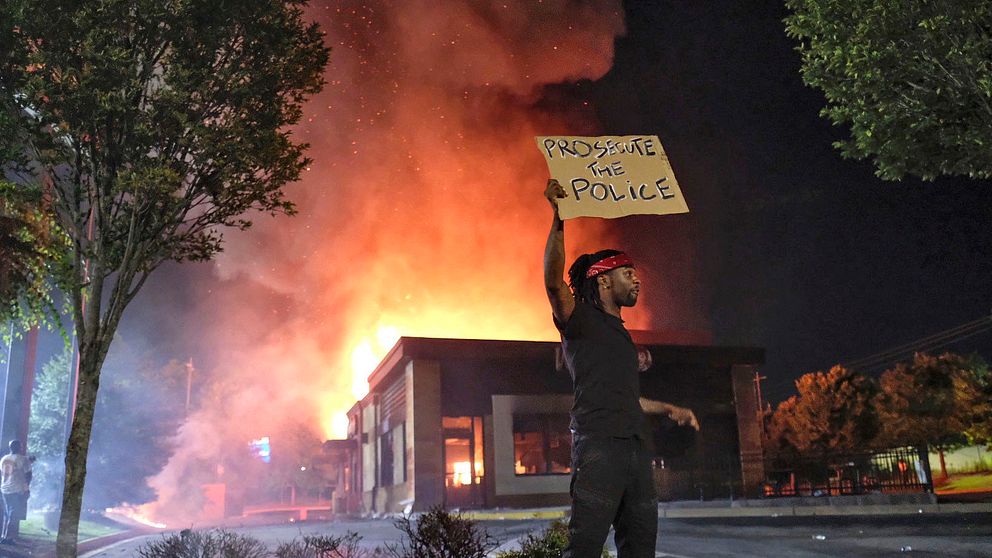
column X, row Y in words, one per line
column 392, row 449
column 542, row 444
column 463, row 451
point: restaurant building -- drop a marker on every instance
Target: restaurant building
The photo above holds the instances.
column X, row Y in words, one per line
column 483, row 424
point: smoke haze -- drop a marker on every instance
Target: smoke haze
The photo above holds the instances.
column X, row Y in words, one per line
column 421, row 215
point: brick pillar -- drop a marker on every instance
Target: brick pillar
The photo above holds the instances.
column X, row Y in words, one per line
column 424, row 405
column 18, row 385
column 749, row 430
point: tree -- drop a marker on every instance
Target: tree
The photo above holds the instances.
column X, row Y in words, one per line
column 292, row 463
column 831, row 415
column 980, row 429
column 46, row 432
column 139, row 408
column 29, row 246
column 155, row 126
column 912, row 79
column 928, row 402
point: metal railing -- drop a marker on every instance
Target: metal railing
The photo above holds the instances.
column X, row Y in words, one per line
column 881, row 472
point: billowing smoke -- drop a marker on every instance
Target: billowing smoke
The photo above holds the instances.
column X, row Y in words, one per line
column 421, row 215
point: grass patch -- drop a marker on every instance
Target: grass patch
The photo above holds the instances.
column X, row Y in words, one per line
column 971, row 482
column 34, row 527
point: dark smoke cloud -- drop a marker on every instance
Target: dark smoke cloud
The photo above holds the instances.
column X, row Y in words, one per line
column 421, row 215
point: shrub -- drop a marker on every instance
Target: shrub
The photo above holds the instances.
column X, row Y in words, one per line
column 550, row 543
column 324, row 546
column 206, row 544
column 439, row 534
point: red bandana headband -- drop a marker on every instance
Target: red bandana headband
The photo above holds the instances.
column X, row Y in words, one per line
column 606, row 264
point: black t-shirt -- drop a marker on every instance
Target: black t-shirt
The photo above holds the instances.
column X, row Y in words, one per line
column 602, row 359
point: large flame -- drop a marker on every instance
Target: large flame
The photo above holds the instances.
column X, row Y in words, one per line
column 421, row 214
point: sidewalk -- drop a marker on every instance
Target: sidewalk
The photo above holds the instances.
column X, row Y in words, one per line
column 782, row 507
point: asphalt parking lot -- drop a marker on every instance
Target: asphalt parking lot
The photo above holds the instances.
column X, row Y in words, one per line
column 958, row 535
column 953, row 535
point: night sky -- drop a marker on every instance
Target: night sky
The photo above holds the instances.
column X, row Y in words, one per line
column 798, row 250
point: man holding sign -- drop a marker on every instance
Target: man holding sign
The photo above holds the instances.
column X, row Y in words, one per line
column 612, row 482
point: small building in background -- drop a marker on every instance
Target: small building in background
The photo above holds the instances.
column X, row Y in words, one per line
column 482, row 424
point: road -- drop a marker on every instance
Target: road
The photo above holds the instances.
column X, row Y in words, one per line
column 958, row 535
column 944, row 535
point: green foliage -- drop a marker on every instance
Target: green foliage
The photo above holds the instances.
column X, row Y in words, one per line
column 325, row 546
column 33, row 252
column 973, row 482
column 911, row 78
column 979, row 430
column 943, row 402
column 833, row 414
column 46, row 430
column 930, row 401
column 439, row 534
column 139, row 409
column 140, row 406
column 224, row 544
column 165, row 119
column 549, row 543
column 204, row 544
column 150, row 127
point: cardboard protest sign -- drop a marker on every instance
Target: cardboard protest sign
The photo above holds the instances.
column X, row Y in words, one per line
column 612, row 176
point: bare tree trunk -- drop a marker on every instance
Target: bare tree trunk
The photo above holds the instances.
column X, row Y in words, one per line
column 77, row 449
column 943, row 465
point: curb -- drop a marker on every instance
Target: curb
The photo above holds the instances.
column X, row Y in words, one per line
column 824, row 511
column 748, row 511
column 502, row 515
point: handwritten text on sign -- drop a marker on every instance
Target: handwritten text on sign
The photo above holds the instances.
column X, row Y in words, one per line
column 612, row 176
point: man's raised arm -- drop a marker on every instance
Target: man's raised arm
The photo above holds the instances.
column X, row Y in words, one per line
column 562, row 302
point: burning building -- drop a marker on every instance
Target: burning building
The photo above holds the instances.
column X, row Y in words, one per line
column 476, row 424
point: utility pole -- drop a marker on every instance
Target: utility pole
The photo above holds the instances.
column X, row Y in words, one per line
column 761, row 404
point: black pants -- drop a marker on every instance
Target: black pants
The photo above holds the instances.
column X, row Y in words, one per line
column 611, row 485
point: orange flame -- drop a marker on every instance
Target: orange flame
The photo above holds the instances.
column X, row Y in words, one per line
column 442, row 176
column 134, row 514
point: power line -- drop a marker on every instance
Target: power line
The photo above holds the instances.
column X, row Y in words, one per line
column 927, row 348
column 927, row 343
column 779, row 388
column 936, row 337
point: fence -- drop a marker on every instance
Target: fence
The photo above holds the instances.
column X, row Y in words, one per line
column 890, row 471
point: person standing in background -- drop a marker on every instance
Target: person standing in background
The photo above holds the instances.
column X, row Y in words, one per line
column 15, row 481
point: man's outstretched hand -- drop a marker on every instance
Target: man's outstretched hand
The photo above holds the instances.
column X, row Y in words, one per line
column 554, row 192
column 683, row 416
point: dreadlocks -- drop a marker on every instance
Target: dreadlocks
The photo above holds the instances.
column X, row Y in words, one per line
column 585, row 289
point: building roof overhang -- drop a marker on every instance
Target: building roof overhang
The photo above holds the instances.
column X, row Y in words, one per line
column 407, row 349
